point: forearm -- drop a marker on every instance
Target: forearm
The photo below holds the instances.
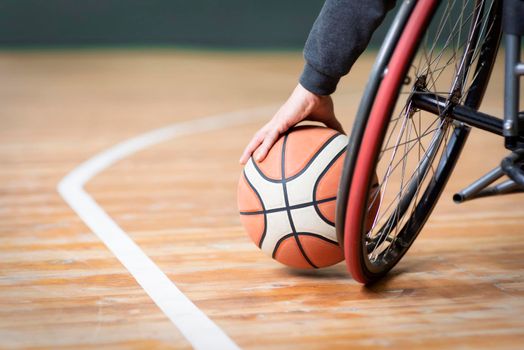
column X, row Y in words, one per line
column 340, row 34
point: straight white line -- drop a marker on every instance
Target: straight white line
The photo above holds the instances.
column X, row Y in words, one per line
column 198, row 329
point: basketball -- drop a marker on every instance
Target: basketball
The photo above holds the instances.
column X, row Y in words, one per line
column 287, row 202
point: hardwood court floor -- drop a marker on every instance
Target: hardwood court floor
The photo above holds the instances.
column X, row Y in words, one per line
column 460, row 286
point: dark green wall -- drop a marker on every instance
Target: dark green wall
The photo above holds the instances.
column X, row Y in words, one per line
column 199, row 23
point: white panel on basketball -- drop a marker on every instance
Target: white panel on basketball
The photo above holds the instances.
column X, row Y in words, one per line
column 277, row 227
column 300, row 190
column 307, row 220
column 271, row 193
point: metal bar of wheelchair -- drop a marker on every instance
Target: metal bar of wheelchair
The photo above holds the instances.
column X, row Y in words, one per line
column 472, row 190
column 437, row 104
column 513, row 70
column 513, row 29
column 479, row 188
column 519, row 69
column 506, row 187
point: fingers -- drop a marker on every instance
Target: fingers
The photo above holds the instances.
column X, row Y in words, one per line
column 298, row 106
column 260, row 144
column 269, row 140
column 252, row 146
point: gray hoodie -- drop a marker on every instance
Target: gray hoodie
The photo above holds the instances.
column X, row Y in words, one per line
column 338, row 37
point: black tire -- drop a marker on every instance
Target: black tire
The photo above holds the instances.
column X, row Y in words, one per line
column 418, row 196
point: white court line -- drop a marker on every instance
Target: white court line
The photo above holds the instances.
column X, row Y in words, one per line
column 198, row 329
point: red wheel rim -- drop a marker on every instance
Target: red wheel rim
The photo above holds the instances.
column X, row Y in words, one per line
column 384, row 103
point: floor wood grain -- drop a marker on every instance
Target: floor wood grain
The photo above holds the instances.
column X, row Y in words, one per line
column 460, row 286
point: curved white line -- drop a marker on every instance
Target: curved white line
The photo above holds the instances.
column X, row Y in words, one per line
column 198, row 329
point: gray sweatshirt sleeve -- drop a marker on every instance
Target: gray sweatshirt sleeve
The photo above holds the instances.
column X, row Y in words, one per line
column 339, row 35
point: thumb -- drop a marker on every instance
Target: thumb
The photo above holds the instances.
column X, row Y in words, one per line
column 333, row 123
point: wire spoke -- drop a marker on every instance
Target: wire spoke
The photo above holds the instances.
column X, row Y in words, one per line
column 415, row 144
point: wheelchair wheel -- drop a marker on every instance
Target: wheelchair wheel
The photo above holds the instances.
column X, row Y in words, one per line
column 445, row 49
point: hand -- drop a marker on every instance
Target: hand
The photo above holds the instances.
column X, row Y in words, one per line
column 301, row 105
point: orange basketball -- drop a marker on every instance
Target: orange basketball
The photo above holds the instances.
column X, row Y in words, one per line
column 287, row 201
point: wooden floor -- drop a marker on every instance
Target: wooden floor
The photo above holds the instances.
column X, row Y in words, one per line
column 461, row 285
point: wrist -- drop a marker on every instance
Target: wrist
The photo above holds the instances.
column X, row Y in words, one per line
column 317, row 82
column 311, row 101
column 310, row 98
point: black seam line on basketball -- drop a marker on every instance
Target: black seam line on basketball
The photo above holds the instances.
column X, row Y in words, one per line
column 263, row 209
column 318, row 236
column 303, row 169
column 291, row 207
column 317, row 182
column 286, row 200
column 283, row 238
